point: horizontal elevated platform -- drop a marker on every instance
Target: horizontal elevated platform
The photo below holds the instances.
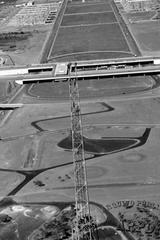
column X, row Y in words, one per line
column 8, row 106
column 82, row 70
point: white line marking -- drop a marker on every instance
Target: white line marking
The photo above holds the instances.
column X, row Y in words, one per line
column 89, row 4
column 123, row 124
column 89, row 52
column 71, row 14
column 87, row 25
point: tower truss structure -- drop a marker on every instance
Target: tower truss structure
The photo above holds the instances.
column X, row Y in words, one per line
column 83, row 224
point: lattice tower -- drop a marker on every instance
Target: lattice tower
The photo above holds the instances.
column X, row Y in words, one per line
column 83, row 224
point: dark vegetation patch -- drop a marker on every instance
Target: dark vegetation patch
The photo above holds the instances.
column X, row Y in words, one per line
column 38, row 183
column 9, row 41
column 33, row 226
column 7, row 201
column 9, row 2
column 108, row 233
column 157, row 15
column 99, row 146
column 91, row 18
column 141, row 220
column 14, row 35
column 4, row 219
column 61, row 228
column 57, row 228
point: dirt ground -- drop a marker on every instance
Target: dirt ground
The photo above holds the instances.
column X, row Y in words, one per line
column 145, row 31
column 22, row 51
column 28, row 51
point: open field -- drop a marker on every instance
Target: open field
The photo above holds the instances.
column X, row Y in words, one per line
column 84, row 19
column 93, row 88
column 84, row 40
column 27, row 52
column 121, row 142
column 121, row 149
column 85, row 27
column 148, row 36
column 25, row 149
column 145, row 30
column 24, row 29
column 84, row 8
column 106, row 170
column 121, row 135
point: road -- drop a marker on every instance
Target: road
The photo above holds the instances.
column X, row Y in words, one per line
column 50, row 39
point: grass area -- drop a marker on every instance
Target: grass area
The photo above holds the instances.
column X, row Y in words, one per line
column 85, row 8
column 93, row 88
column 90, row 56
column 102, row 39
column 89, row 39
column 147, row 35
column 91, row 18
column 151, row 41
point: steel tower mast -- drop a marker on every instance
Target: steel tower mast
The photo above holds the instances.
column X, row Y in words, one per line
column 83, row 224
